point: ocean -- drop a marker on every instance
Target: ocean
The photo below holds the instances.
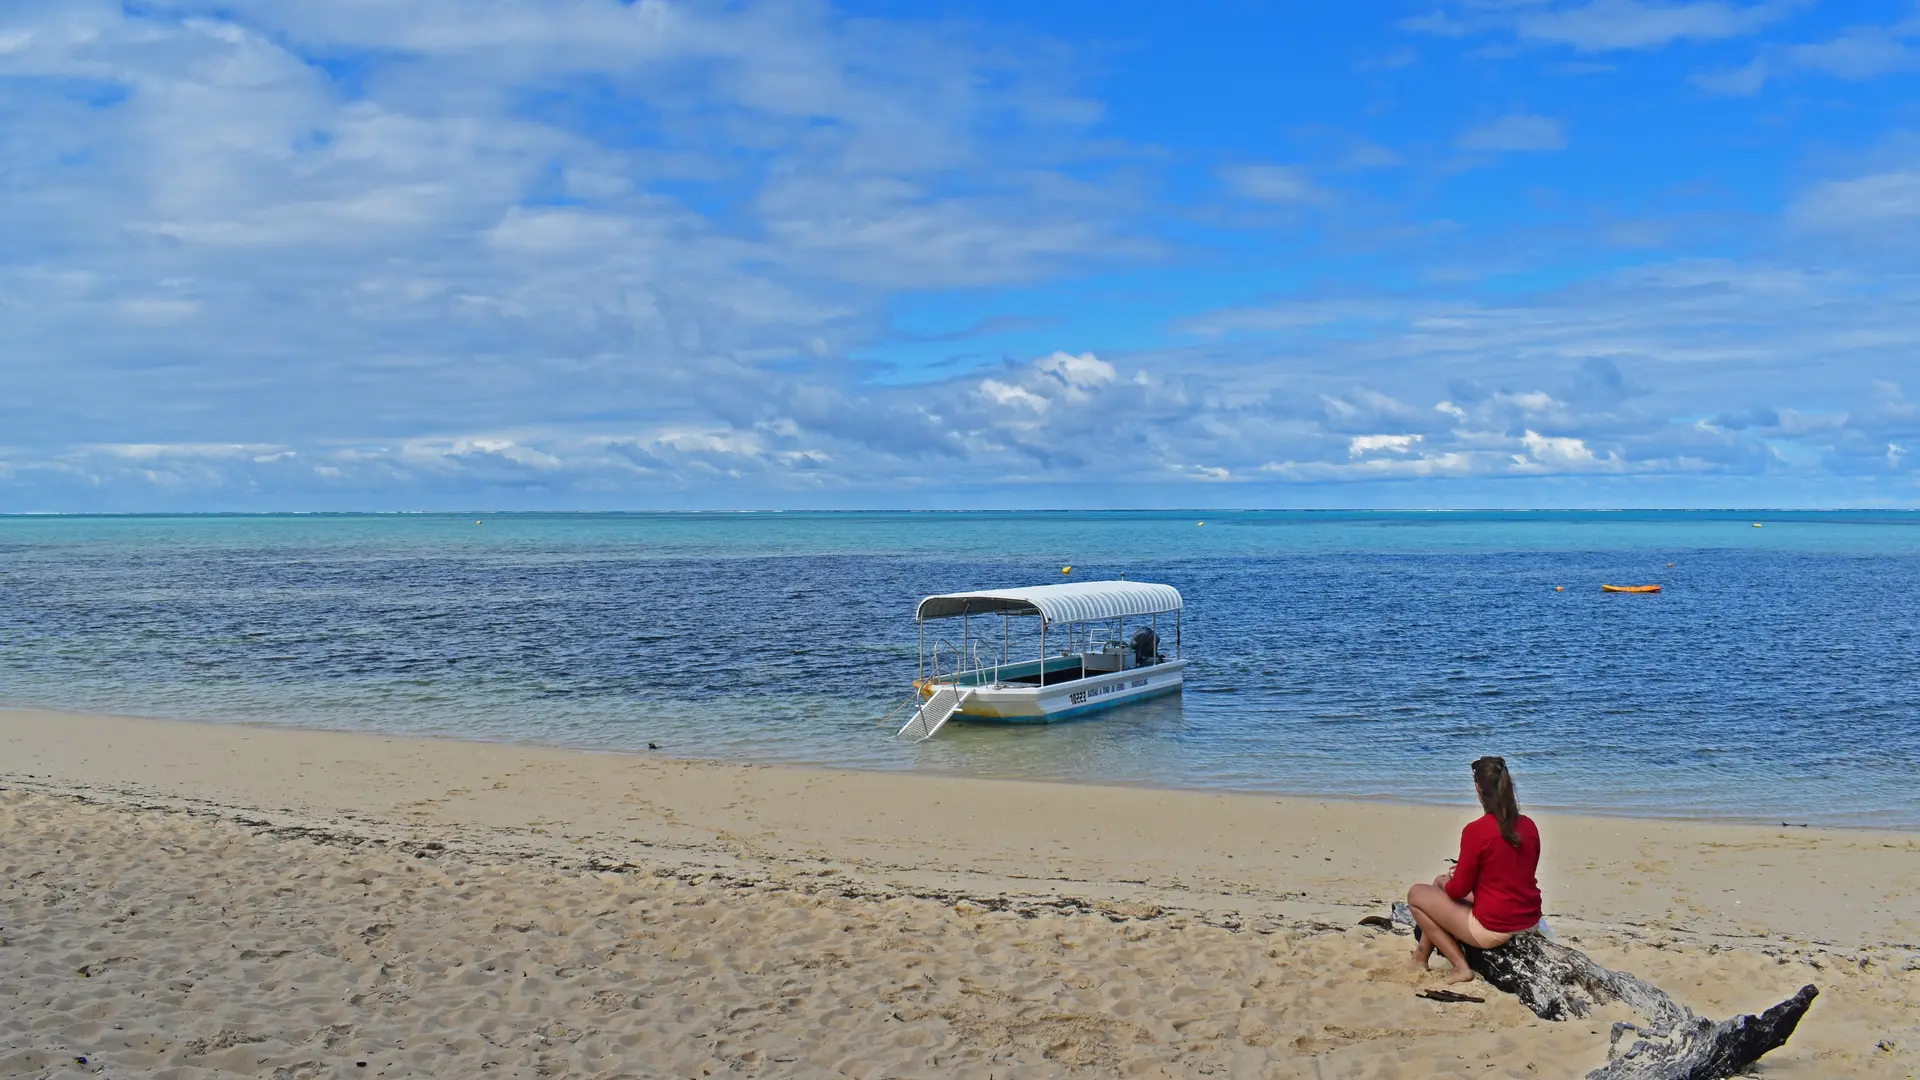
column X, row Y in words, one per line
column 1344, row 654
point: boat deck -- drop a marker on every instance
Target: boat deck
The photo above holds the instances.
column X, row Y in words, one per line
column 1060, row 670
column 1052, row 678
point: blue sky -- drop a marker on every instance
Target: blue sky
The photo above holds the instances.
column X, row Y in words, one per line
column 585, row 254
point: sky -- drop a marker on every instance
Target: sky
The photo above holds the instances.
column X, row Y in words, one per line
column 581, row 254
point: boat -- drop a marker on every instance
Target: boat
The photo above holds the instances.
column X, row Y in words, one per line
column 1095, row 664
column 1629, row 588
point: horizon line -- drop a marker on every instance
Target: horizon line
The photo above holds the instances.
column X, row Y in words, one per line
column 989, row 510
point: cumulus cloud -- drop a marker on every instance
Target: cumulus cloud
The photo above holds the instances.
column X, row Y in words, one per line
column 350, row 222
column 1362, row 445
column 267, row 255
column 1173, row 418
column 1558, row 453
column 1608, row 378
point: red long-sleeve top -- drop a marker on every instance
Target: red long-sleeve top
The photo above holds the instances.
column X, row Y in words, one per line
column 1499, row 876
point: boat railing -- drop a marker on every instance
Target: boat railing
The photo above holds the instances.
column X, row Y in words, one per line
column 939, row 645
column 901, row 709
column 960, row 657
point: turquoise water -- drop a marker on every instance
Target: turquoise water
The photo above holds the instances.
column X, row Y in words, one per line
column 1365, row 654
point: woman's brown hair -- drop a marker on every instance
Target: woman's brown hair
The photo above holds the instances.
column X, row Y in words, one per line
column 1495, row 786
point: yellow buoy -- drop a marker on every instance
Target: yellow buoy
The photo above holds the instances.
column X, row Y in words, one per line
column 479, row 523
column 1756, row 524
column 1066, row 569
column 1202, row 524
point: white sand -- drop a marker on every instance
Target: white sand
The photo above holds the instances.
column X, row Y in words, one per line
column 203, row 900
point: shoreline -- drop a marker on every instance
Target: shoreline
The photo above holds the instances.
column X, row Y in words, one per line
column 664, row 754
column 411, row 779
column 253, row 900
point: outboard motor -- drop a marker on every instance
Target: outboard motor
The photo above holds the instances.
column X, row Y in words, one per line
column 1146, row 647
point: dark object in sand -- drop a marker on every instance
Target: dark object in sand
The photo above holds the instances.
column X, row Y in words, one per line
column 1378, row 922
column 1448, row 995
column 1672, row 1043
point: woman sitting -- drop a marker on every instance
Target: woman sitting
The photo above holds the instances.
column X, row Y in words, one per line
column 1491, row 894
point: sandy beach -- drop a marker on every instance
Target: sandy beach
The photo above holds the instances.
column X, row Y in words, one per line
column 199, row 900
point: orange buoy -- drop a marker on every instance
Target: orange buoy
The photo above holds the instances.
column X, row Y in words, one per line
column 1629, row 588
column 1559, row 588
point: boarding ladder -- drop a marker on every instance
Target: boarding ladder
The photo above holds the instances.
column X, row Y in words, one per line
column 933, row 713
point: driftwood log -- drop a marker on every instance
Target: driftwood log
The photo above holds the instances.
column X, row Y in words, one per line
column 1671, row 1043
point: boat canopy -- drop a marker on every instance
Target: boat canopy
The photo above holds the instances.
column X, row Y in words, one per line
column 1072, row 602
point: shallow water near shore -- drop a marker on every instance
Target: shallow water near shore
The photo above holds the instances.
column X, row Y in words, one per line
column 1365, row 655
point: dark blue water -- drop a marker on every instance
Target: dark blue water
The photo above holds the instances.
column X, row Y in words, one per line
column 1777, row 677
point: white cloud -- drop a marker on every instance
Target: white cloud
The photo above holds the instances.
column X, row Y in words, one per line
column 183, row 451
column 642, row 253
column 370, row 224
column 1292, row 314
column 1519, row 131
column 1079, row 374
column 1362, row 154
column 1557, row 453
column 1437, row 22
column 158, row 310
column 1004, row 394
column 1273, row 183
column 1743, row 81
column 436, row 453
column 1423, row 466
column 1608, row 25
column 1862, row 203
column 1362, row 445
column 1533, row 401
column 1859, row 53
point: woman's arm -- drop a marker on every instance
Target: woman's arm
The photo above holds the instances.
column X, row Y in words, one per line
column 1466, row 872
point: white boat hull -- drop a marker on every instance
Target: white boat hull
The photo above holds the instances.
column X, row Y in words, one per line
column 1015, row 703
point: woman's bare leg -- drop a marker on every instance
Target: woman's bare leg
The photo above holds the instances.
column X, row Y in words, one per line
column 1423, row 948
column 1443, row 922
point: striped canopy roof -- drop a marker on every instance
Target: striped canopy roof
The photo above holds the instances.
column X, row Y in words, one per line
column 1072, row 602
